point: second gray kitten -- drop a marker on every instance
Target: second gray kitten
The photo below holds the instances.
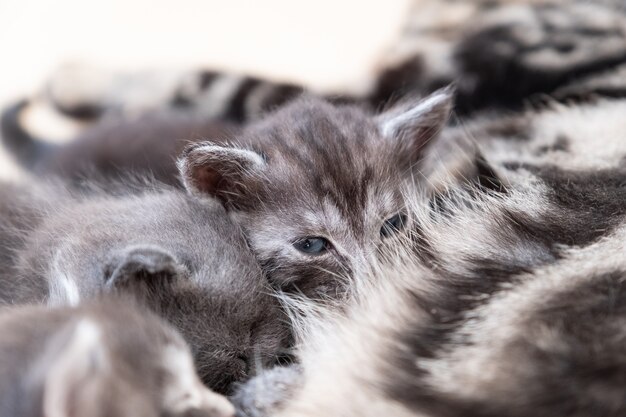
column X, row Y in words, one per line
column 179, row 255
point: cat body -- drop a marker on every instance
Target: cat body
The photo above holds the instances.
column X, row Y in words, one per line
column 103, row 358
column 179, row 255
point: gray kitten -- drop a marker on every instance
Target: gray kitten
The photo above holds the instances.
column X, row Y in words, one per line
column 104, row 358
column 179, row 255
column 317, row 188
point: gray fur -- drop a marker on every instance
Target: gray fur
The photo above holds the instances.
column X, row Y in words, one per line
column 509, row 302
column 179, row 255
column 102, row 152
column 104, row 358
column 317, row 170
column 548, row 343
column 310, row 170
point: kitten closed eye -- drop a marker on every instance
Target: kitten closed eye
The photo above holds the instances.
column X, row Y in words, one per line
column 393, row 225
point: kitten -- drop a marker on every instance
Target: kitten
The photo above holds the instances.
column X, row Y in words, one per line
column 177, row 254
column 318, row 188
column 104, row 358
column 112, row 148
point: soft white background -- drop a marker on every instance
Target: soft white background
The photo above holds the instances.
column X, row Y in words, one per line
column 321, row 43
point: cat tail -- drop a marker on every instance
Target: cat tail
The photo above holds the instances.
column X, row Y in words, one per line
column 27, row 149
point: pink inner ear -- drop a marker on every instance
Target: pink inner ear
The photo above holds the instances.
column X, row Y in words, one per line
column 206, row 180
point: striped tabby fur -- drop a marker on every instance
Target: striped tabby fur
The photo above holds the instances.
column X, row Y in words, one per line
column 506, row 301
column 501, row 54
column 506, row 298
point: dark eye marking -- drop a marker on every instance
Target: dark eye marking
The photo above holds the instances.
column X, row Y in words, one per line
column 393, row 225
column 312, row 245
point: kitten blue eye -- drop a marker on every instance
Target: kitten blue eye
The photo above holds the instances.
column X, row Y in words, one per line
column 393, row 225
column 312, row 245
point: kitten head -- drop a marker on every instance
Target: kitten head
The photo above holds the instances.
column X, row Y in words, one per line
column 319, row 188
column 183, row 259
column 232, row 325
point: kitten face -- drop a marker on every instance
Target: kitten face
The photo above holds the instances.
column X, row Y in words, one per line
column 312, row 232
column 318, row 189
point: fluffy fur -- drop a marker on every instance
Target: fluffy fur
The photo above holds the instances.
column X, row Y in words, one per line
column 179, row 255
column 314, row 170
column 114, row 147
column 104, row 358
column 546, row 343
column 310, row 170
column 506, row 300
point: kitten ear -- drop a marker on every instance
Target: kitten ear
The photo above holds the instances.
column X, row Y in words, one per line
column 219, row 171
column 413, row 125
column 142, row 270
column 74, row 372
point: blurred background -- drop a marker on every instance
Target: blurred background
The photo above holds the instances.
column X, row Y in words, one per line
column 324, row 44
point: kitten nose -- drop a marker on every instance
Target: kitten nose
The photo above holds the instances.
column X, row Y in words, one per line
column 228, row 369
column 236, row 370
column 243, row 364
